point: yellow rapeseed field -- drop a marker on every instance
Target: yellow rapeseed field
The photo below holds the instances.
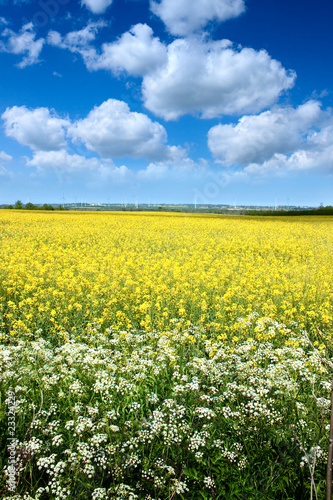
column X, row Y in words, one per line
column 67, row 272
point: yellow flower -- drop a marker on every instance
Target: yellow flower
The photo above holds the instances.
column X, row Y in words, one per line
column 142, row 271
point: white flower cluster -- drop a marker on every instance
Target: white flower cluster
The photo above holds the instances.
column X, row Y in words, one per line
column 131, row 406
column 209, row 482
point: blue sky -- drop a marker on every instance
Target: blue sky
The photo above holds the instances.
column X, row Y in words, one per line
column 222, row 101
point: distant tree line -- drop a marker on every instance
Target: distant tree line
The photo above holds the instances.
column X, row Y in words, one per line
column 30, row 206
column 315, row 211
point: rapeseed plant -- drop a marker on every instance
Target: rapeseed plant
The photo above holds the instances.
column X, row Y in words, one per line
column 61, row 272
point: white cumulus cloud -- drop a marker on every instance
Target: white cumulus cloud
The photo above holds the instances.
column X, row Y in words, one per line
column 278, row 141
column 212, row 79
column 190, row 75
column 112, row 130
column 38, row 128
column 256, row 138
column 137, row 52
column 92, row 170
column 23, row 42
column 97, row 6
column 177, row 170
column 183, row 17
column 62, row 160
column 300, row 161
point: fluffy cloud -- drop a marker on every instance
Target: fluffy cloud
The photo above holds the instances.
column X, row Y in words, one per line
column 23, row 42
column 137, row 52
column 62, row 160
column 153, row 173
column 183, row 168
column 257, row 138
column 182, row 17
column 79, row 42
column 189, row 76
column 5, row 157
column 75, row 41
column 68, row 167
column 300, row 161
column 97, row 6
column 37, row 128
column 112, row 130
column 278, row 141
column 212, row 79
